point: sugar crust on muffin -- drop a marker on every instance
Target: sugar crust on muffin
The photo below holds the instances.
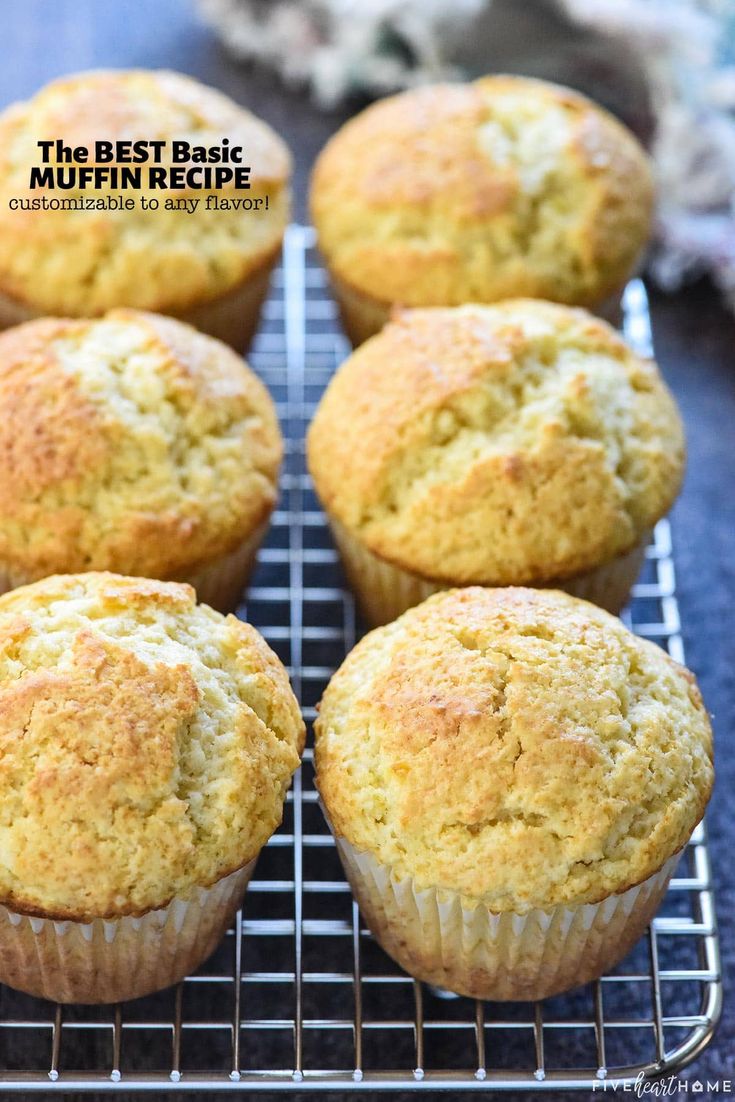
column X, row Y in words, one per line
column 130, row 443
column 517, row 746
column 147, row 745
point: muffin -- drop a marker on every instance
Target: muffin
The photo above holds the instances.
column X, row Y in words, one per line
column 510, row 776
column 147, row 745
column 210, row 267
column 517, row 444
column 132, row 443
column 477, row 192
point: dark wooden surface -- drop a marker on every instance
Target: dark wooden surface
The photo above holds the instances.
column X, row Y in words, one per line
column 695, row 340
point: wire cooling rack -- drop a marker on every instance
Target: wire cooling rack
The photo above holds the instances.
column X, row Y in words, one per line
column 299, row 996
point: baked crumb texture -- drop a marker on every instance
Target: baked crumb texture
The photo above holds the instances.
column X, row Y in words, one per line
column 82, row 263
column 129, row 443
column 147, row 744
column 476, row 192
column 516, row 746
column 509, row 444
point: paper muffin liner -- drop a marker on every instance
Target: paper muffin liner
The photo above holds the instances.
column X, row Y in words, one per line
column 222, row 582
column 385, row 591
column 110, row 960
column 232, row 317
column 363, row 316
column 610, row 309
column 436, row 937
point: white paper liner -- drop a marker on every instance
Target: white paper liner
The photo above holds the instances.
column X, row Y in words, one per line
column 232, row 317
column 110, row 960
column 385, row 591
column 220, row 584
column 475, row 952
column 363, row 315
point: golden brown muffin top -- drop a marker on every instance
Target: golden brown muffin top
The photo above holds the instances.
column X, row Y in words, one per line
column 147, row 745
column 81, row 263
column 476, row 192
column 506, row 444
column 517, row 746
column 130, row 443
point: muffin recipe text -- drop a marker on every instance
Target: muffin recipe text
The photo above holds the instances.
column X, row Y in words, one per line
column 171, row 165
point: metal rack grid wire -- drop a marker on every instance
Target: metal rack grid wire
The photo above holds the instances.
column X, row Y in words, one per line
column 299, row 996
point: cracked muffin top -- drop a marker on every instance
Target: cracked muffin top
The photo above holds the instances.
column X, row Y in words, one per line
column 130, row 443
column 517, row 746
column 147, row 745
column 82, row 263
column 476, row 192
column 509, row 444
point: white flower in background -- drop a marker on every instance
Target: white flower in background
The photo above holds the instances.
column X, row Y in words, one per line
column 684, row 49
column 687, row 51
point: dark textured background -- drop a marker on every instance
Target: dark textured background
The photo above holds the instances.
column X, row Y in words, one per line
column 695, row 342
